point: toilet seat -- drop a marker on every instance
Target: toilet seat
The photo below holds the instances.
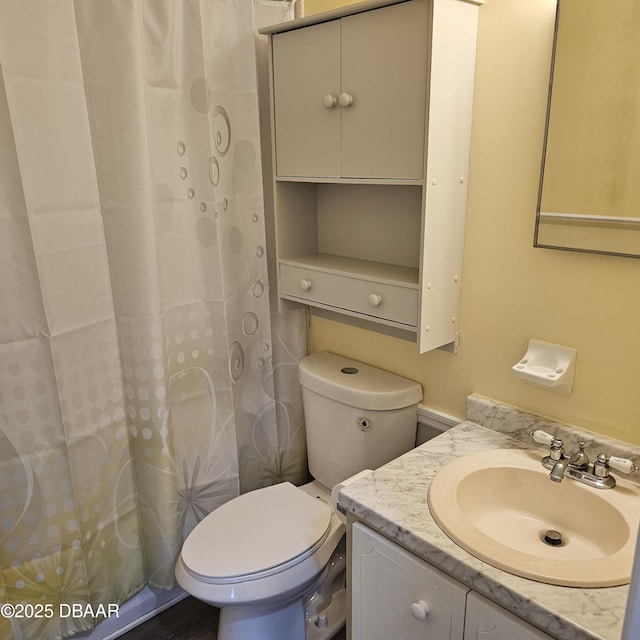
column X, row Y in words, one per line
column 257, row 534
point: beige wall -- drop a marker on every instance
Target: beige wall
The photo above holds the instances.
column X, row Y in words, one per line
column 316, row 6
column 513, row 292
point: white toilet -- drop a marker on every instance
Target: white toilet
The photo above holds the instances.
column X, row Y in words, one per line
column 273, row 559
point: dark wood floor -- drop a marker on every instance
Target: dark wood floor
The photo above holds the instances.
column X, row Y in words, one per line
column 190, row 619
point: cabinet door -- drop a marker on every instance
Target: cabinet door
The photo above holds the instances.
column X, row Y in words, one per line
column 396, row 595
column 487, row 621
column 384, row 70
column 306, row 68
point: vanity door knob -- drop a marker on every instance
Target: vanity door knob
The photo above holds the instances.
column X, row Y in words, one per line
column 329, row 101
column 420, row 610
column 345, row 99
column 375, row 300
column 305, row 285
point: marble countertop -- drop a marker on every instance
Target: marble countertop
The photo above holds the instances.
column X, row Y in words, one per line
column 393, row 500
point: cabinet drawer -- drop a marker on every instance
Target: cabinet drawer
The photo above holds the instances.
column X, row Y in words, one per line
column 394, row 303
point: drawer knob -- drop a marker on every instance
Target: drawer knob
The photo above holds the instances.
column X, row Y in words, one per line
column 375, row 300
column 305, row 285
column 329, row 101
column 420, row 610
column 345, row 99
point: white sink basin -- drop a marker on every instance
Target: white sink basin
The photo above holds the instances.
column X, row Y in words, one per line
column 500, row 506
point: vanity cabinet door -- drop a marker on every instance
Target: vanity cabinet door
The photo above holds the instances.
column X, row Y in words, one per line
column 396, row 595
column 487, row 621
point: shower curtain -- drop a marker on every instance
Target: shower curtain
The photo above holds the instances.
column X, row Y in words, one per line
column 139, row 358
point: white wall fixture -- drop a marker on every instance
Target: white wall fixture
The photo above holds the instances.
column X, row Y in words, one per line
column 548, row 365
column 371, row 124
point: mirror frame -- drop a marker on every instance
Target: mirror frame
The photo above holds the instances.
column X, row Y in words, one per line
column 595, row 229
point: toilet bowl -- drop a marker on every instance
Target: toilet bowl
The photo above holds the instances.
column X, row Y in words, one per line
column 273, row 559
column 264, row 549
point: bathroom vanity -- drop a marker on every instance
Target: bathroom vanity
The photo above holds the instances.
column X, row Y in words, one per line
column 370, row 129
column 454, row 611
column 399, row 553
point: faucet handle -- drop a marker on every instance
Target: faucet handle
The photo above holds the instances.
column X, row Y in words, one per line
column 542, row 437
column 556, row 450
column 623, row 465
column 601, row 466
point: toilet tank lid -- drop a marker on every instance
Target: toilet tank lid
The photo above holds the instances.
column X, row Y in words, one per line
column 357, row 384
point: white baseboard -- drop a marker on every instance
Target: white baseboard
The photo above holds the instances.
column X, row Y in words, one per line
column 432, row 423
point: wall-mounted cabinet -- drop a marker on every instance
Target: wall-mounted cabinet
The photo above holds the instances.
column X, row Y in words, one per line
column 371, row 118
column 353, row 90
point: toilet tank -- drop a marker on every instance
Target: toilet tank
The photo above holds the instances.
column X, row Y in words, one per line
column 356, row 416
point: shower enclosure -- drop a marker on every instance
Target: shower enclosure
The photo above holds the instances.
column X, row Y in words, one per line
column 139, row 356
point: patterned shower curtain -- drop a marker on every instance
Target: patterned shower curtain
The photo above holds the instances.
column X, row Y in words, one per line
column 138, row 352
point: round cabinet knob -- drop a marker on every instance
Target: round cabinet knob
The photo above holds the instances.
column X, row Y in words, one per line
column 375, row 300
column 305, row 285
column 345, row 100
column 329, row 101
column 420, row 610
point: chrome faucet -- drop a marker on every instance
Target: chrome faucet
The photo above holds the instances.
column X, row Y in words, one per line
column 557, row 471
column 577, row 465
column 556, row 460
column 560, row 463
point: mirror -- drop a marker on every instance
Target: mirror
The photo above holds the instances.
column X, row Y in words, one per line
column 589, row 196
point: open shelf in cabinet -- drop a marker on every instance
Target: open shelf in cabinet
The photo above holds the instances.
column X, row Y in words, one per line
column 351, row 247
column 378, row 223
